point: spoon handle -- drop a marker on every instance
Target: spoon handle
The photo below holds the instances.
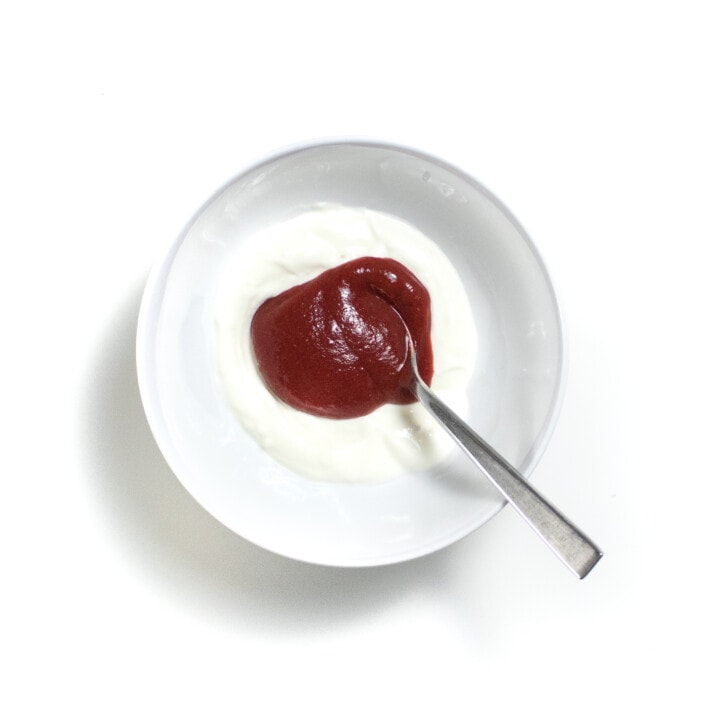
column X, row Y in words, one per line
column 574, row 548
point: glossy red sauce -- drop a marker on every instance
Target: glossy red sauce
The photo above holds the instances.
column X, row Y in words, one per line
column 335, row 346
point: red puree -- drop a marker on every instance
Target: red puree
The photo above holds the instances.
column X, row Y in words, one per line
column 335, row 346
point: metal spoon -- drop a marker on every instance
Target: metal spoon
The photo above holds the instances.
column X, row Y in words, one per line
column 574, row 548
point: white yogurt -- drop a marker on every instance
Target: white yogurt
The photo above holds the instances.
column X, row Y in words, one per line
column 392, row 440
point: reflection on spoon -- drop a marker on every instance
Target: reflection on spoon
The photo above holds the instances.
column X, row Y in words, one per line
column 574, row 548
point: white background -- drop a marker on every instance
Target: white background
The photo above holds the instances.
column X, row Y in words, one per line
column 596, row 123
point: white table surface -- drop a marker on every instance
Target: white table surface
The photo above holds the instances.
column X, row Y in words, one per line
column 597, row 124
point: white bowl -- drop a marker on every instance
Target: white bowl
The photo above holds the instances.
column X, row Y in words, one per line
column 514, row 395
